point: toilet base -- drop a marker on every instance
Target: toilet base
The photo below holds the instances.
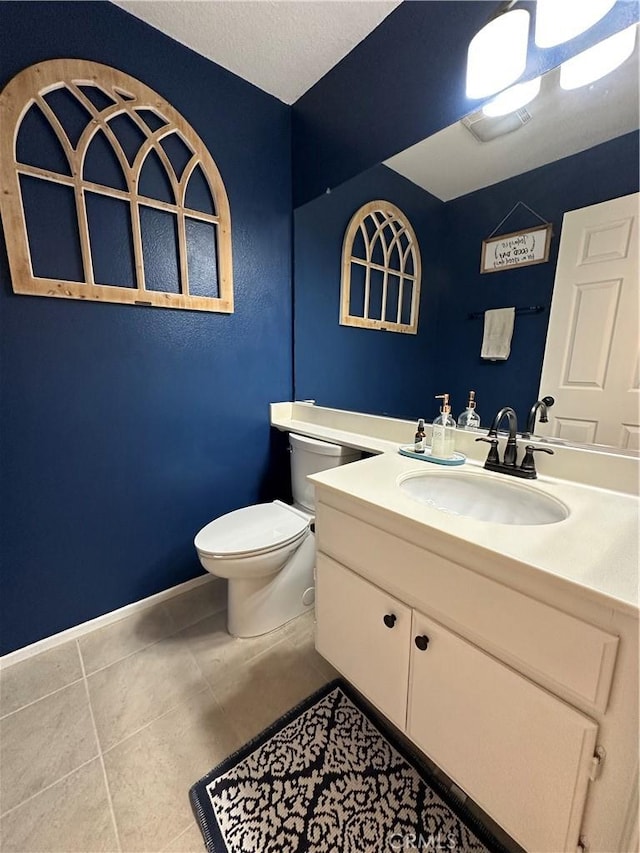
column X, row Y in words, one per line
column 259, row 605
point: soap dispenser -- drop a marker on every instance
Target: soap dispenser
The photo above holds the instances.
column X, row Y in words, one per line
column 470, row 419
column 443, row 433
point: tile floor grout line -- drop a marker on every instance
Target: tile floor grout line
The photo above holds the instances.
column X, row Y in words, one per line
column 40, row 698
column 48, row 787
column 177, row 837
column 155, row 719
column 168, row 636
column 249, row 660
column 204, row 677
column 282, row 639
column 178, row 701
column 217, row 702
column 130, row 654
column 100, row 753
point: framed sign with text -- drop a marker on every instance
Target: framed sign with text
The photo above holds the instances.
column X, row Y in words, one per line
column 519, row 249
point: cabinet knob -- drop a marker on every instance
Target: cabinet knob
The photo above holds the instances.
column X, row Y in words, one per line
column 390, row 620
column 422, row 642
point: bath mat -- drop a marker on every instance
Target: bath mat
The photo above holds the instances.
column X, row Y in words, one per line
column 328, row 776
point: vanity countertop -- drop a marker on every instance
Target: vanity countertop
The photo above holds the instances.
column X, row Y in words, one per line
column 379, row 434
column 358, row 440
column 594, row 550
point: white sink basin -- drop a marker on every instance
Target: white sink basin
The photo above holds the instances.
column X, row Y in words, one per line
column 485, row 499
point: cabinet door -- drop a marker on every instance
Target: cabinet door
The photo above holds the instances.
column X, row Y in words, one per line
column 357, row 632
column 519, row 752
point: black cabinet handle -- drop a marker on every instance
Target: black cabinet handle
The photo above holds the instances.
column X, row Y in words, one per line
column 422, row 642
column 390, row 620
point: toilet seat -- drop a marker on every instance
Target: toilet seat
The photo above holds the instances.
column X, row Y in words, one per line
column 252, row 530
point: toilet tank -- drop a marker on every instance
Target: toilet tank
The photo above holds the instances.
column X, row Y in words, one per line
column 309, row 456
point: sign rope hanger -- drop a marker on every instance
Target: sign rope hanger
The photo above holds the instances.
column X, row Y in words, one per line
column 513, row 209
column 519, row 248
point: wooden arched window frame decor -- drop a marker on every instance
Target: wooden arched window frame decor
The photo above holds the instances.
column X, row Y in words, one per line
column 381, row 270
column 108, row 193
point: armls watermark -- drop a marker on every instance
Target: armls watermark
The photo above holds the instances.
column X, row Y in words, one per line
column 440, row 842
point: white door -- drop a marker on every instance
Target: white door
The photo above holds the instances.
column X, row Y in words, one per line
column 591, row 363
column 521, row 754
column 364, row 632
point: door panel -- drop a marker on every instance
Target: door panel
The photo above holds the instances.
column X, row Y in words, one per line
column 520, row 753
column 352, row 635
column 591, row 354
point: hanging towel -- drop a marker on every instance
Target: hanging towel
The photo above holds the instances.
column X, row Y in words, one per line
column 498, row 329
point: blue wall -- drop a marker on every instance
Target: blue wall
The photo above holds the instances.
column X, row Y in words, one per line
column 344, row 366
column 403, row 83
column 387, row 373
column 125, row 429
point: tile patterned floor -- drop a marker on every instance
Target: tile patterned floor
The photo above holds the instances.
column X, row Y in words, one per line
column 102, row 737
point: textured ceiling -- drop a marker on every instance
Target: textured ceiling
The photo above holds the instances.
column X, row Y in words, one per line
column 281, row 46
column 285, row 46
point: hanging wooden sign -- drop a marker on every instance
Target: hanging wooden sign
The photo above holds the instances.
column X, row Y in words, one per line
column 518, row 249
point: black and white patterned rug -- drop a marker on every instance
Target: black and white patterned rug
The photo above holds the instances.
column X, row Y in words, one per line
column 328, row 778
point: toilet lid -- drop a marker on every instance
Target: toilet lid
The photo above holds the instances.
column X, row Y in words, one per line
column 252, row 529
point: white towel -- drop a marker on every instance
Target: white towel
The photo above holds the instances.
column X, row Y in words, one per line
column 498, row 329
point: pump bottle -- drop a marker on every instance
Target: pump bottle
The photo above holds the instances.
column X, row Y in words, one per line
column 444, row 431
column 470, row 419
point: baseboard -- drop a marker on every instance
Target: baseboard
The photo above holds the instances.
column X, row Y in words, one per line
column 100, row 621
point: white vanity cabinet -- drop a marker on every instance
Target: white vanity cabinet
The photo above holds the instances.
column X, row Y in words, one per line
column 520, row 752
column 516, row 749
column 516, row 698
column 365, row 633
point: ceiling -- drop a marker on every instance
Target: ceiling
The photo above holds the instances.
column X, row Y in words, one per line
column 281, row 46
column 285, row 46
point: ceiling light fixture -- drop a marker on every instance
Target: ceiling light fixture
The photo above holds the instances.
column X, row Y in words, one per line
column 497, row 54
column 599, row 60
column 558, row 21
column 512, row 98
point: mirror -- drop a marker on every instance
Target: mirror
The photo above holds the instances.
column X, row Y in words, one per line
column 564, row 151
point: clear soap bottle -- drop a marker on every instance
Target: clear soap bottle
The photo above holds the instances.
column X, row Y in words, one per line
column 443, row 433
column 470, row 419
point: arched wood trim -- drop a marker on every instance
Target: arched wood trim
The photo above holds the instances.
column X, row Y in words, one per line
column 386, row 217
column 129, row 95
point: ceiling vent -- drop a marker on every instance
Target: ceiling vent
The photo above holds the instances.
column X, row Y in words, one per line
column 485, row 128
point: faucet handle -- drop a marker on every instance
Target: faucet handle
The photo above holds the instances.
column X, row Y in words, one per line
column 527, row 463
column 493, row 456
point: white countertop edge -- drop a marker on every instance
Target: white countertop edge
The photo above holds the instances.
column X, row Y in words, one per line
column 379, row 434
column 446, row 545
column 602, row 526
column 359, row 441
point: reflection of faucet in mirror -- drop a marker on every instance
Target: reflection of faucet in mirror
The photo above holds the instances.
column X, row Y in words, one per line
column 542, row 405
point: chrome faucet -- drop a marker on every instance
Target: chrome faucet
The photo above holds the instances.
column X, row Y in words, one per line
column 527, row 469
column 543, row 405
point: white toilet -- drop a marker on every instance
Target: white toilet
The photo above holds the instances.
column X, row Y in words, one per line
column 267, row 551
